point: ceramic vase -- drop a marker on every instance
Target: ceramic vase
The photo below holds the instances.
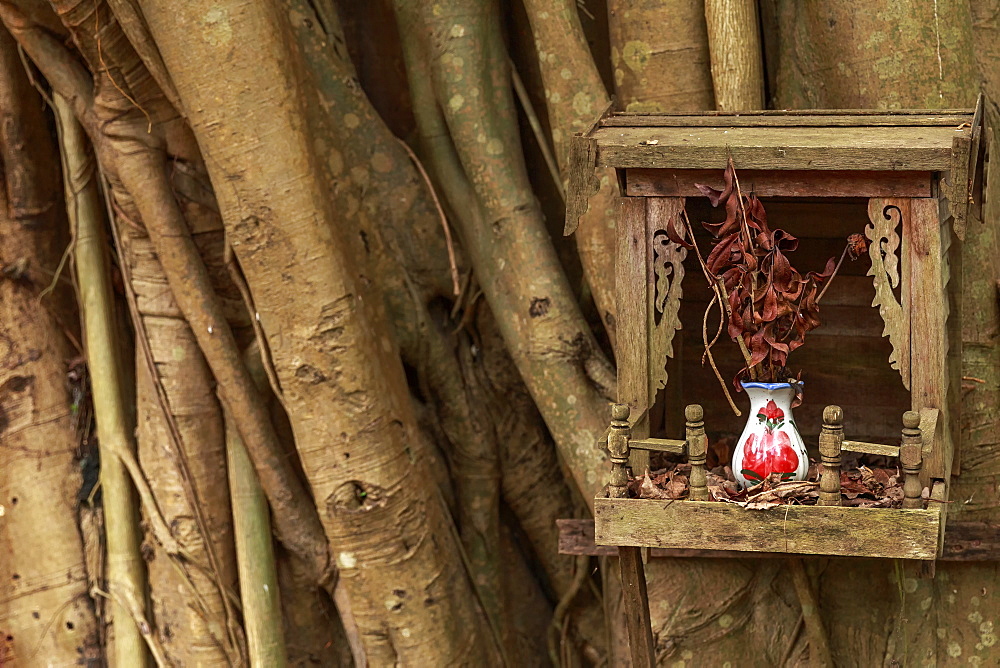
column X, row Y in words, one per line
column 770, row 443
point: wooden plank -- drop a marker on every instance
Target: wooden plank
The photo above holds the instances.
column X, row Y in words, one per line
column 632, row 265
column 576, row 537
column 963, row 541
column 671, row 445
column 636, row 605
column 971, row 541
column 870, row 448
column 780, row 183
column 582, row 181
column 804, row 117
column 878, row 149
column 832, row 530
column 958, row 181
column 929, row 314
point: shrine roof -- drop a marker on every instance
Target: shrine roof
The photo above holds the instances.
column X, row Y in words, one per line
column 818, row 139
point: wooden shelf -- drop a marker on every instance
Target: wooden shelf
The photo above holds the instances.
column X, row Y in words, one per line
column 713, row 525
column 963, row 541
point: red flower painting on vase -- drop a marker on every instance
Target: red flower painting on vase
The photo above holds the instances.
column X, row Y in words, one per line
column 770, row 443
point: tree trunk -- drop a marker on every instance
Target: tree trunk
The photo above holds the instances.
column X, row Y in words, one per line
column 46, row 614
column 659, row 51
column 336, row 364
column 826, row 55
column 457, row 49
column 734, row 45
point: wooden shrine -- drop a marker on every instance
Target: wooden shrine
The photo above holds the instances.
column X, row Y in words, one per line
column 911, row 181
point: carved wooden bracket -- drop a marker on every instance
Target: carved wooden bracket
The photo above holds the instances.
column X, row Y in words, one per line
column 665, row 292
column 885, row 215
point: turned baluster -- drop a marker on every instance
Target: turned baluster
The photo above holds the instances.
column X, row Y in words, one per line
column 697, row 450
column 911, row 459
column 830, row 438
column 618, row 438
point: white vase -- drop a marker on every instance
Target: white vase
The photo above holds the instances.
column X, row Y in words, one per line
column 770, row 443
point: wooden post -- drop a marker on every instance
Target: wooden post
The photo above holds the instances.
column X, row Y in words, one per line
column 830, row 438
column 930, row 346
column 640, row 630
column 631, row 292
column 697, row 447
column 911, row 459
column 618, row 438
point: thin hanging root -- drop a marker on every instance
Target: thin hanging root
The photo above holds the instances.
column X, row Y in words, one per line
column 559, row 628
column 158, row 524
column 724, row 312
column 125, row 571
column 834, row 274
column 264, row 352
column 136, row 609
column 819, row 645
column 536, row 129
column 708, row 352
column 452, row 263
column 255, row 557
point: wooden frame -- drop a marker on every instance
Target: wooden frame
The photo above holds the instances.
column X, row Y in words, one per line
column 919, row 170
column 824, row 529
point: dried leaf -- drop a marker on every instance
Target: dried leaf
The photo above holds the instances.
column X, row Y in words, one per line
column 648, row 490
column 771, row 305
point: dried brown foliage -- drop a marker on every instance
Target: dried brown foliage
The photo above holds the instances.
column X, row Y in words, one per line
column 862, row 487
column 770, row 305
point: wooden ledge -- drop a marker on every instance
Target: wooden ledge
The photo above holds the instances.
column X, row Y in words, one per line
column 712, row 525
column 780, row 183
column 963, row 541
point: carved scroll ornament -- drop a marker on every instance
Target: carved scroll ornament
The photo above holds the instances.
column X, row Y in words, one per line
column 885, row 216
column 665, row 294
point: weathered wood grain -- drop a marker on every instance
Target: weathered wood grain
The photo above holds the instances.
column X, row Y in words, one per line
column 664, row 288
column 910, row 458
column 697, row 446
column 780, row 183
column 672, row 445
column 831, row 440
column 583, row 182
column 928, row 322
column 864, row 448
column 632, row 268
column 832, row 530
column 636, row 607
column 836, row 148
column 963, row 541
column 784, row 118
column 886, row 214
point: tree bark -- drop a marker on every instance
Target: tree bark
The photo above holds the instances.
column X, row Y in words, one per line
column 736, row 56
column 46, row 614
column 894, row 55
column 574, row 96
column 458, row 51
column 659, row 52
column 335, row 360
